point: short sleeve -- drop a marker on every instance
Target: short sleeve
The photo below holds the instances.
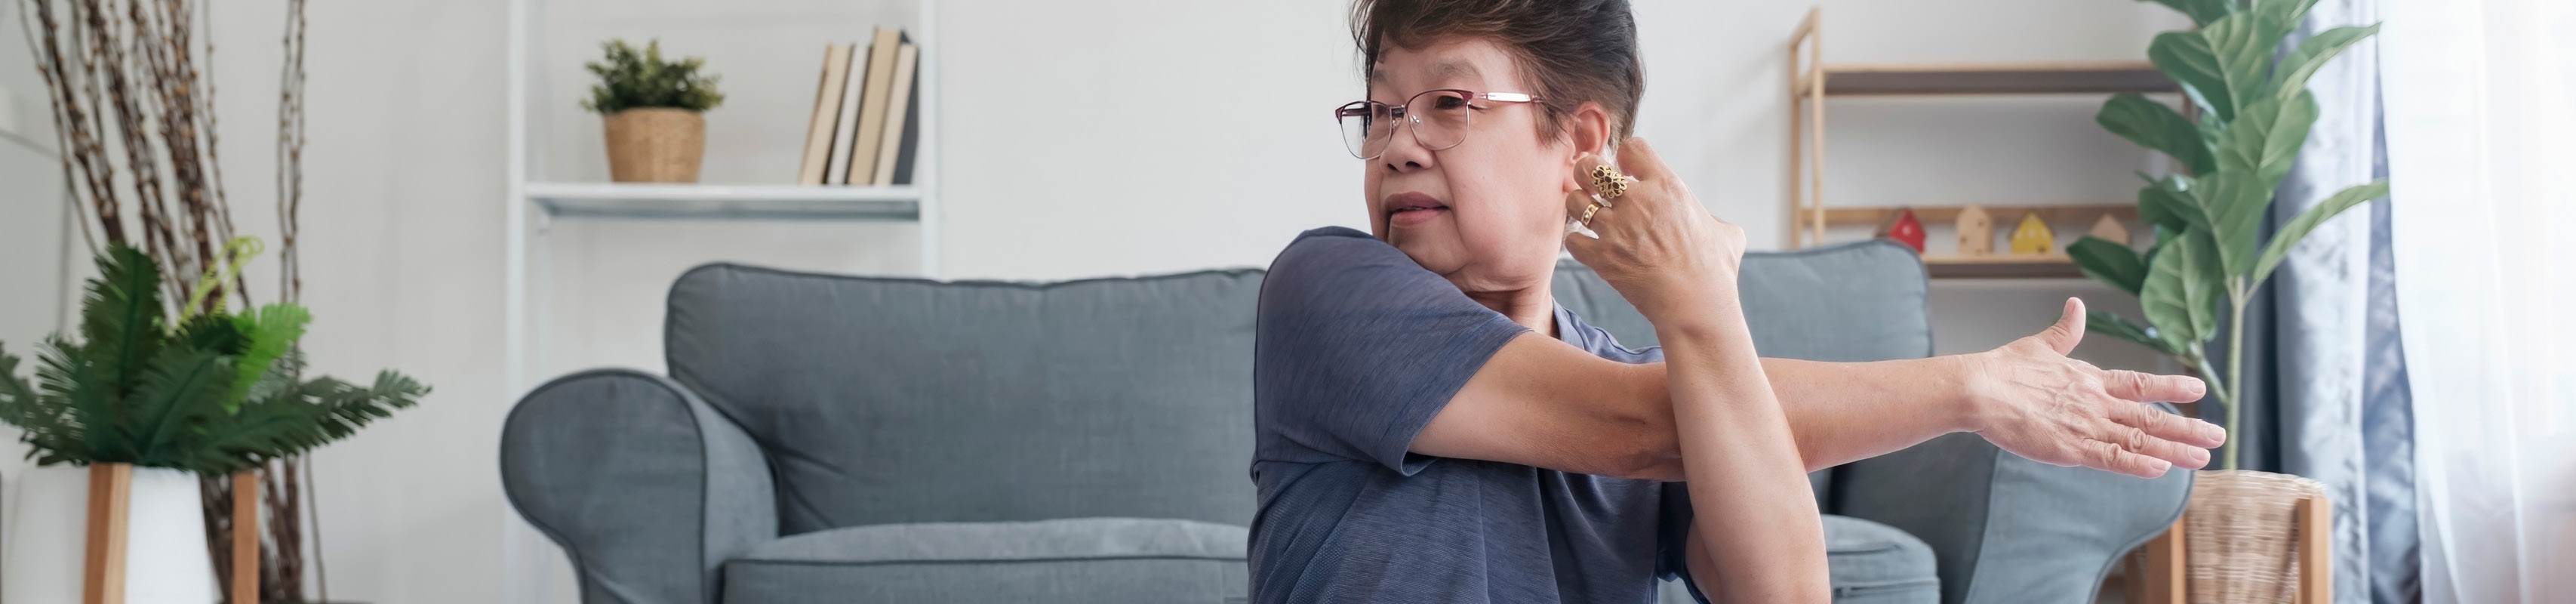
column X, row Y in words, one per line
column 1357, row 348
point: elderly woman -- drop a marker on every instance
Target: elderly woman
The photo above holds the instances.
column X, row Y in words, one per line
column 1432, row 427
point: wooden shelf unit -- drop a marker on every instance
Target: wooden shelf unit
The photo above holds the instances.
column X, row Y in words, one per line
column 2000, row 266
column 1934, row 215
column 1922, row 79
column 1812, row 81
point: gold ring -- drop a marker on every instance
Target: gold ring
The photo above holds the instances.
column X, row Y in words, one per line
column 1587, row 214
column 1610, row 181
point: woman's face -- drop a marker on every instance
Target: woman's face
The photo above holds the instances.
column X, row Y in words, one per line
column 1489, row 213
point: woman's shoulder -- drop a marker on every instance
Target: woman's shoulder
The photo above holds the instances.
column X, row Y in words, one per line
column 1338, row 263
column 1333, row 249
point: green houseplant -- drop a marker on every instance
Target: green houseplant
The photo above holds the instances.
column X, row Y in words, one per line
column 141, row 166
column 650, row 110
column 211, row 393
column 150, row 402
column 2252, row 114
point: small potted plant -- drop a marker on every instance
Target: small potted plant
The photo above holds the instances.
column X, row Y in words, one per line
column 650, row 110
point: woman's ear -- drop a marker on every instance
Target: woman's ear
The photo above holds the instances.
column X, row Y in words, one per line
column 1588, row 128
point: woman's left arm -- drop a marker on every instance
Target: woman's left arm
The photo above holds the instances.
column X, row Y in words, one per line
column 2027, row 397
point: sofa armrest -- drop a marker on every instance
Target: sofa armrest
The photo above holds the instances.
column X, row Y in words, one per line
column 647, row 488
column 2008, row 529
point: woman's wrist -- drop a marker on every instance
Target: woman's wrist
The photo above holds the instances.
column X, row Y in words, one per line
column 1713, row 315
column 1962, row 380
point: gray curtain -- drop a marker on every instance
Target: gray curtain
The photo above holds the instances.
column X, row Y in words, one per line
column 2326, row 393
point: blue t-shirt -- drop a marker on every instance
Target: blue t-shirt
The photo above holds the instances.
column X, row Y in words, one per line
column 1357, row 348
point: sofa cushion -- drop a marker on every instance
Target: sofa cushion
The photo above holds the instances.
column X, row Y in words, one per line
column 886, row 401
column 1870, row 563
column 1874, row 563
column 1105, row 560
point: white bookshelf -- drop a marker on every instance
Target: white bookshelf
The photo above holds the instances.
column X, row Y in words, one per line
column 543, row 189
column 901, row 203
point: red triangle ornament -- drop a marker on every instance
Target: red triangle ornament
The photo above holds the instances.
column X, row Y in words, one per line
column 1903, row 228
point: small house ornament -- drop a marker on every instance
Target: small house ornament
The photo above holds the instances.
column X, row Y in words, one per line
column 2033, row 237
column 1976, row 232
column 1903, row 228
column 2110, row 229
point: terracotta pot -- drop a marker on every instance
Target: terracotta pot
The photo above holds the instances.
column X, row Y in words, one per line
column 166, row 561
column 655, row 144
column 2242, row 535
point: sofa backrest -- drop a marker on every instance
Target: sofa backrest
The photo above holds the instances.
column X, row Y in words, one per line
column 1853, row 302
column 882, row 400
column 903, row 400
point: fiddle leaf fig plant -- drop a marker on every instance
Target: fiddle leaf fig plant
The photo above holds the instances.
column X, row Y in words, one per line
column 2254, row 113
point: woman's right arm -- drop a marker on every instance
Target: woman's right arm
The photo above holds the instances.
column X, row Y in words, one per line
column 1665, row 254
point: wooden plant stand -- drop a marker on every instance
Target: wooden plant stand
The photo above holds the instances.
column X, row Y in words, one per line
column 111, row 493
column 2159, row 573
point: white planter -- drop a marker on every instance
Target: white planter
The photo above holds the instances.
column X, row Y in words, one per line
column 47, row 532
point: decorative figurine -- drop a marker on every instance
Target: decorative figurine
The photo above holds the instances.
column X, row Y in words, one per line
column 2111, row 229
column 2033, row 237
column 1976, row 232
column 1903, row 228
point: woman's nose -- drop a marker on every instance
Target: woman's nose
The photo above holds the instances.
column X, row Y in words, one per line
column 1404, row 152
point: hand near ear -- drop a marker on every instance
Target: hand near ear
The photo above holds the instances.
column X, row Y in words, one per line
column 1656, row 244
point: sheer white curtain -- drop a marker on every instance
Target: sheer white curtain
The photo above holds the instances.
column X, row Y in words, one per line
column 2480, row 98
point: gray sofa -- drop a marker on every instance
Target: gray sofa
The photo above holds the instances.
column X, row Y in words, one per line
column 846, row 439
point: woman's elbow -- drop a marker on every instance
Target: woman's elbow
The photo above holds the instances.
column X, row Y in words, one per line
column 1646, row 449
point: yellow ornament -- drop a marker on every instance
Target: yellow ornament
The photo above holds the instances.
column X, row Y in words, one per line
column 2033, row 237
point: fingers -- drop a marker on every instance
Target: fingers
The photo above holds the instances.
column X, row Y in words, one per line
column 1575, row 203
column 1583, row 174
column 1639, row 159
column 2150, row 388
column 2155, row 422
column 2104, row 455
column 2069, row 329
column 2140, row 442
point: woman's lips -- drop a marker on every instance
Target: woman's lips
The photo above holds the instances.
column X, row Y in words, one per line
column 1413, row 209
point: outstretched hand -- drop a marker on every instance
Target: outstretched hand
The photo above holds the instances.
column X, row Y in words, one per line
column 2030, row 399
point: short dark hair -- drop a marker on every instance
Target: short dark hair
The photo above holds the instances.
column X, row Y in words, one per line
column 1573, row 50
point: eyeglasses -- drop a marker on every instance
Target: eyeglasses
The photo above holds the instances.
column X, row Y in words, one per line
column 1440, row 119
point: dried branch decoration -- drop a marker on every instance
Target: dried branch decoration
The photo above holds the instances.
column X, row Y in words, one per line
column 124, row 80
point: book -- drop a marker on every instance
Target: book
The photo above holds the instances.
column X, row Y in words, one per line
column 872, row 118
column 898, row 113
column 845, row 121
column 911, row 149
column 827, row 107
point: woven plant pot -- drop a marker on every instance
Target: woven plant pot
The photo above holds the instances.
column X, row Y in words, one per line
column 655, row 144
column 2242, row 535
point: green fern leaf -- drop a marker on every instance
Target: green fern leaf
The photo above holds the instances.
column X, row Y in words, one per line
column 39, row 416
column 272, row 330
column 184, row 387
column 88, row 405
column 121, row 318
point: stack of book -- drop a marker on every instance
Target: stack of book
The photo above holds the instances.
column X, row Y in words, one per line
column 867, row 123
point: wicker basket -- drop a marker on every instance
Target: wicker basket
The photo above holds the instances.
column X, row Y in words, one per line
column 2242, row 535
column 655, row 145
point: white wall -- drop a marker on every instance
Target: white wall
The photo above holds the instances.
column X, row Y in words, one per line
column 402, row 243
column 1081, row 139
